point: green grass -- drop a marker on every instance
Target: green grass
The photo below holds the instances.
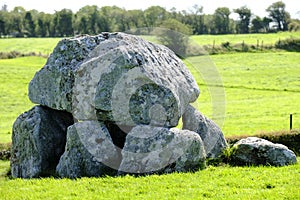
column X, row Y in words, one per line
column 251, row 39
column 28, row 45
column 15, row 75
column 221, row 182
column 261, row 90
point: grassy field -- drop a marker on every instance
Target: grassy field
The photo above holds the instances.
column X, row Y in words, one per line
column 15, row 75
column 261, row 90
column 28, row 45
column 45, row 45
column 221, row 182
column 250, row 39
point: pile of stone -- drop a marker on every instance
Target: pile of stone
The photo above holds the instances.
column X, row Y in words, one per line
column 109, row 105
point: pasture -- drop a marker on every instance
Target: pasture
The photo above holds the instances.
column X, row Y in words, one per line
column 222, row 182
column 261, row 90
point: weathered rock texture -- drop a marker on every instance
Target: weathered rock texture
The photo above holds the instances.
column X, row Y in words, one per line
column 126, row 95
column 38, row 141
column 257, row 151
column 52, row 86
column 130, row 81
column 211, row 135
column 150, row 149
column 89, row 152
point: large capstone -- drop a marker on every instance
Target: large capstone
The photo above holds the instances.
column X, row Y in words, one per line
column 257, row 151
column 89, row 152
column 211, row 135
column 130, row 81
column 150, row 149
column 38, row 141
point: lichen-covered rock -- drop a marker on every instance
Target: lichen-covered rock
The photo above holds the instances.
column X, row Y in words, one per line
column 211, row 135
column 150, row 149
column 89, row 152
column 131, row 81
column 52, row 85
column 257, row 151
column 38, row 141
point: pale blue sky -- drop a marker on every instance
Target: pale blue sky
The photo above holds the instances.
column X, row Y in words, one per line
column 257, row 6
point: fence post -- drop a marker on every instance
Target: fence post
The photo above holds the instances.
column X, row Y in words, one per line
column 291, row 121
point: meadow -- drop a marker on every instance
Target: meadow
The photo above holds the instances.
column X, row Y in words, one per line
column 222, row 182
column 261, row 90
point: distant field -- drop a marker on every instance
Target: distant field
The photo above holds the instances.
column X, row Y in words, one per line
column 45, row 45
column 28, row 45
column 250, row 39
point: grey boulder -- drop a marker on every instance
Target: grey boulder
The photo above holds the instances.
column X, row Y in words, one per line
column 211, row 135
column 150, row 149
column 89, row 152
column 257, row 151
column 38, row 141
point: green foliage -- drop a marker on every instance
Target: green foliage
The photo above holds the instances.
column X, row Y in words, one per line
column 244, row 19
column 92, row 19
column 279, row 15
column 5, row 151
column 221, row 20
column 174, row 35
column 289, row 44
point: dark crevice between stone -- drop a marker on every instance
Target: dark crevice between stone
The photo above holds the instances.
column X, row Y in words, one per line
column 62, row 121
column 118, row 133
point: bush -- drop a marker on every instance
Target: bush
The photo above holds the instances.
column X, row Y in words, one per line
column 290, row 44
column 5, row 151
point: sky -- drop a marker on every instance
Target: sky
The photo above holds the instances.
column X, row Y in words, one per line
column 257, row 7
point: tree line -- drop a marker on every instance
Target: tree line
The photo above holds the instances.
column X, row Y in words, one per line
column 93, row 20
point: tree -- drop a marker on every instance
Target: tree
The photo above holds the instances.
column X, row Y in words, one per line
column 244, row 19
column 294, row 25
column 63, row 23
column 279, row 15
column 154, row 16
column 4, row 19
column 29, row 25
column 174, row 35
column 221, row 20
column 17, row 17
column 196, row 19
